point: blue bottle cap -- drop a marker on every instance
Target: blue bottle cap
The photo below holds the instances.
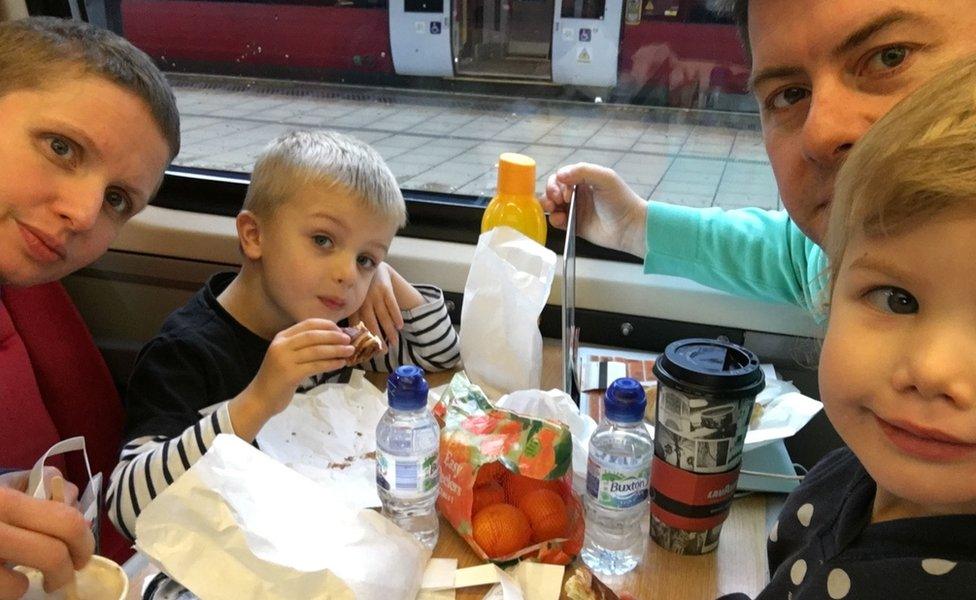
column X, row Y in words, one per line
column 625, row 401
column 406, row 388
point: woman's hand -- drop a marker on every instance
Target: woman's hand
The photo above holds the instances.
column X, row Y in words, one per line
column 17, row 480
column 52, row 537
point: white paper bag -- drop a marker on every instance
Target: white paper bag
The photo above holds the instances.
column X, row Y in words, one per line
column 239, row 525
column 507, row 287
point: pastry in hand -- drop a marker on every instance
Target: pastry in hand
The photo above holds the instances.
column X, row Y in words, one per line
column 365, row 343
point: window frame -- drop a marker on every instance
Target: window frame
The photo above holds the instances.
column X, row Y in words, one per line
column 430, row 215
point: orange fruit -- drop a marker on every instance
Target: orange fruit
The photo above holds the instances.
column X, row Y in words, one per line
column 501, row 529
column 486, row 495
column 488, row 472
column 546, row 512
column 516, row 486
column 574, row 545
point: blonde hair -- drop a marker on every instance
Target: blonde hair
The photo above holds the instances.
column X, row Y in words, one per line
column 39, row 52
column 917, row 162
column 323, row 158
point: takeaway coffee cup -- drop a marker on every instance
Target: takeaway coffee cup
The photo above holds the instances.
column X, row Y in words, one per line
column 705, row 394
column 100, row 579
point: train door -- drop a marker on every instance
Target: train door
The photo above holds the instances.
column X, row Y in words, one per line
column 420, row 37
column 585, row 43
column 510, row 39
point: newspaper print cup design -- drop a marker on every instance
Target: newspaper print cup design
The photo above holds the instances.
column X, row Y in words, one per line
column 696, row 434
column 706, row 392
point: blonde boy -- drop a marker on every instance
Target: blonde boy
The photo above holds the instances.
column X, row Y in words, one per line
column 316, row 225
column 894, row 516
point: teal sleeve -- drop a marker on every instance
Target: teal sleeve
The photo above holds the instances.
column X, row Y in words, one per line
column 749, row 252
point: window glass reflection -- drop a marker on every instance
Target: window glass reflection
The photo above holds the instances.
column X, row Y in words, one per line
column 656, row 90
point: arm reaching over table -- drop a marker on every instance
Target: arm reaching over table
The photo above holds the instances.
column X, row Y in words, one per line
column 610, row 213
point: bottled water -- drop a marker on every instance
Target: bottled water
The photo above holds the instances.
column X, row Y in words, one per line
column 407, row 441
column 618, row 473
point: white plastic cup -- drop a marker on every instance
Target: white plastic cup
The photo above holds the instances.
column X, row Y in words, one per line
column 100, row 579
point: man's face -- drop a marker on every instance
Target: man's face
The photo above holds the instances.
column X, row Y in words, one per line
column 825, row 70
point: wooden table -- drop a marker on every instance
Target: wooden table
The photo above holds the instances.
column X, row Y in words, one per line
column 738, row 565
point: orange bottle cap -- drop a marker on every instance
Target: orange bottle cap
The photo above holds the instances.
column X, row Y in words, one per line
column 516, row 174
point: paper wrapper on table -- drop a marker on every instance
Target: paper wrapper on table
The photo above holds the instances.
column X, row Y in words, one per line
column 239, row 525
column 507, row 287
column 474, row 433
column 328, row 434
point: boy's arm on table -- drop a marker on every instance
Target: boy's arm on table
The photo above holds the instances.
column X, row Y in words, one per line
column 428, row 338
column 165, row 435
column 749, row 252
column 423, row 334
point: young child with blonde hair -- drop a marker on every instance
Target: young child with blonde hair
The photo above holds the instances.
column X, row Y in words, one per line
column 894, row 516
column 314, row 230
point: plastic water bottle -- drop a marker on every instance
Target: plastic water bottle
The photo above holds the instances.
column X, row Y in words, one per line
column 407, row 441
column 617, row 478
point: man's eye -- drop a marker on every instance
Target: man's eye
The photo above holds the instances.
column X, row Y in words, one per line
column 118, row 201
column 887, row 59
column 894, row 300
column 787, row 97
column 366, row 262
column 322, row 240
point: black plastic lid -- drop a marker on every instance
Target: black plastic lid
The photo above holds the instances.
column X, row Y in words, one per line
column 710, row 368
column 406, row 388
column 625, row 401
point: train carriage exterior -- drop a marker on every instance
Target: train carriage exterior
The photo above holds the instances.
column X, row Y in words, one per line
column 672, row 54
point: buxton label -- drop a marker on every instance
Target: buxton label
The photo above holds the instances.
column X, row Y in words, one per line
column 406, row 477
column 617, row 488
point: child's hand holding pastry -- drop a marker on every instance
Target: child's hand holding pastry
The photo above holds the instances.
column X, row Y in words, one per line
column 366, row 344
column 304, row 349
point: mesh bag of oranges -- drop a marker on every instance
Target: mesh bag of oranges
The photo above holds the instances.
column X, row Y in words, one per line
column 506, row 479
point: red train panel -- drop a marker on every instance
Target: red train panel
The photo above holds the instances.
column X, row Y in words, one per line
column 326, row 37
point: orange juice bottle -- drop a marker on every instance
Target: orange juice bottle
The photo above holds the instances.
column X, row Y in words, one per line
column 515, row 204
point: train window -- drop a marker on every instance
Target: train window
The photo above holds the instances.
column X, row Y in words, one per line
column 583, row 9
column 657, row 91
column 424, row 6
